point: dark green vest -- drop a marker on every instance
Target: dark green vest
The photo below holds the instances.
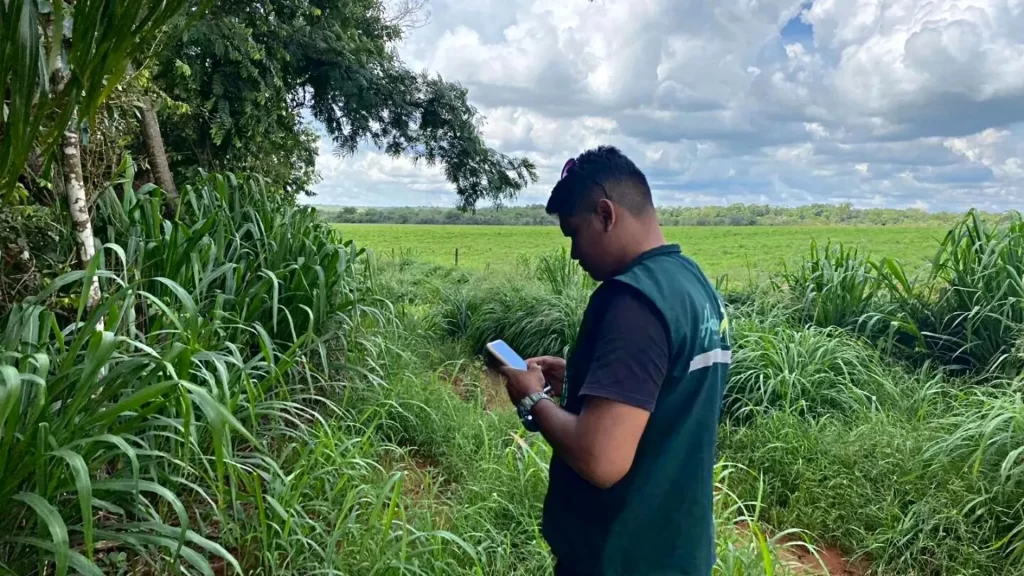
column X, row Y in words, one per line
column 658, row 519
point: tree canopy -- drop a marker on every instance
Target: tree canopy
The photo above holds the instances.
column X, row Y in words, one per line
column 248, row 78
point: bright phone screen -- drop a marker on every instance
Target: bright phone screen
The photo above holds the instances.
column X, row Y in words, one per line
column 507, row 355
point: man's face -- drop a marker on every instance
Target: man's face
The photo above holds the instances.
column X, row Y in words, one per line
column 589, row 233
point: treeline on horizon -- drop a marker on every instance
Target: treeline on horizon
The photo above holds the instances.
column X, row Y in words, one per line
column 731, row 215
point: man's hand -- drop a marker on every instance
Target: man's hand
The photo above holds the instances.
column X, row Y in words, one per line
column 522, row 383
column 554, row 371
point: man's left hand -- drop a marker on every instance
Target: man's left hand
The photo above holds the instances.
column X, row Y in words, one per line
column 522, row 383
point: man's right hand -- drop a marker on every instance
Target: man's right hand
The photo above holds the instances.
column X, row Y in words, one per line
column 554, row 371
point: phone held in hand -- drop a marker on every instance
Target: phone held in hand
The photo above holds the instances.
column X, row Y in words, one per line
column 505, row 355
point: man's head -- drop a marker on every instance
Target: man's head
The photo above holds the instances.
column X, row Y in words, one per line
column 604, row 205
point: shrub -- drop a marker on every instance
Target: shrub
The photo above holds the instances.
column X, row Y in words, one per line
column 35, row 248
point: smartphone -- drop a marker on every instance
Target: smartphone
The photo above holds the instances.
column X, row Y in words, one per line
column 506, row 355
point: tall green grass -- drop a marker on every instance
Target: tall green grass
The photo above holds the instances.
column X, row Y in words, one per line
column 834, row 285
column 912, row 466
column 535, row 318
column 139, row 435
column 561, row 274
column 811, row 373
column 981, row 307
column 966, row 311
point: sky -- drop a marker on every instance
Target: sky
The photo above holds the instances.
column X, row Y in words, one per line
column 880, row 103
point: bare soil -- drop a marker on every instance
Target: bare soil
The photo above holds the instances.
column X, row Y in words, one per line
column 802, row 562
column 488, row 383
column 830, row 560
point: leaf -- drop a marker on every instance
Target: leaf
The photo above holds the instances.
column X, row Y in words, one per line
column 141, row 540
column 123, row 445
column 118, row 485
column 10, row 397
column 90, row 272
column 192, row 537
column 65, row 279
column 100, row 350
column 134, row 401
column 80, row 563
column 217, row 413
column 84, row 486
column 181, row 294
column 275, row 291
column 54, row 523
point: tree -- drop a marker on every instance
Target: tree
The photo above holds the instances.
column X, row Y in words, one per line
column 58, row 63
column 252, row 76
column 74, row 188
column 155, row 149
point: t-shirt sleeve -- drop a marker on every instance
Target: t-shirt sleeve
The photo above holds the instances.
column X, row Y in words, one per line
column 631, row 352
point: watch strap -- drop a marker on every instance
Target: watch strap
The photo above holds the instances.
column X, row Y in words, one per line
column 526, row 404
column 525, row 409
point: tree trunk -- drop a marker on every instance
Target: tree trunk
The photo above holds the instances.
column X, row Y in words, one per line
column 74, row 182
column 74, row 186
column 157, row 153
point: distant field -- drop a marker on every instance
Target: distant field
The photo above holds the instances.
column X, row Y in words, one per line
column 719, row 250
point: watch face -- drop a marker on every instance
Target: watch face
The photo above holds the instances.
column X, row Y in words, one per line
column 529, row 423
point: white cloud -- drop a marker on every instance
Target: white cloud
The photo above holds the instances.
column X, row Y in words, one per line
column 877, row 102
column 998, row 150
column 372, row 178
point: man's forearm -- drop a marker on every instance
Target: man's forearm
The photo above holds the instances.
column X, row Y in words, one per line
column 600, row 443
column 558, row 427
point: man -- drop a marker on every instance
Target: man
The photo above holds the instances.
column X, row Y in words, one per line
column 634, row 429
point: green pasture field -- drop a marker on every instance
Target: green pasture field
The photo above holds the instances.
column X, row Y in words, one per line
column 735, row 251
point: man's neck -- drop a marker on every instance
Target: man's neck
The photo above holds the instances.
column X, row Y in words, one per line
column 655, row 238
column 649, row 236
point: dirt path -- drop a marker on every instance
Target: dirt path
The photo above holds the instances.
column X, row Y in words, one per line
column 801, row 561
column 484, row 381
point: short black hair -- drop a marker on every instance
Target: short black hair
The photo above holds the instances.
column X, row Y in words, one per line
column 595, row 174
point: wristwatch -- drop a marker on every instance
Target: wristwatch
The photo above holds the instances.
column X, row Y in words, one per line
column 526, row 405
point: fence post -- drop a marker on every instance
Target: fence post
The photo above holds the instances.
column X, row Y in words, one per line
column 456, row 256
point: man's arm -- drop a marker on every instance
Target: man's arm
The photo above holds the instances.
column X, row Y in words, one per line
column 600, row 443
column 630, row 361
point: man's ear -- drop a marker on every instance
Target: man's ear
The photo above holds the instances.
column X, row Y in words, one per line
column 606, row 212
